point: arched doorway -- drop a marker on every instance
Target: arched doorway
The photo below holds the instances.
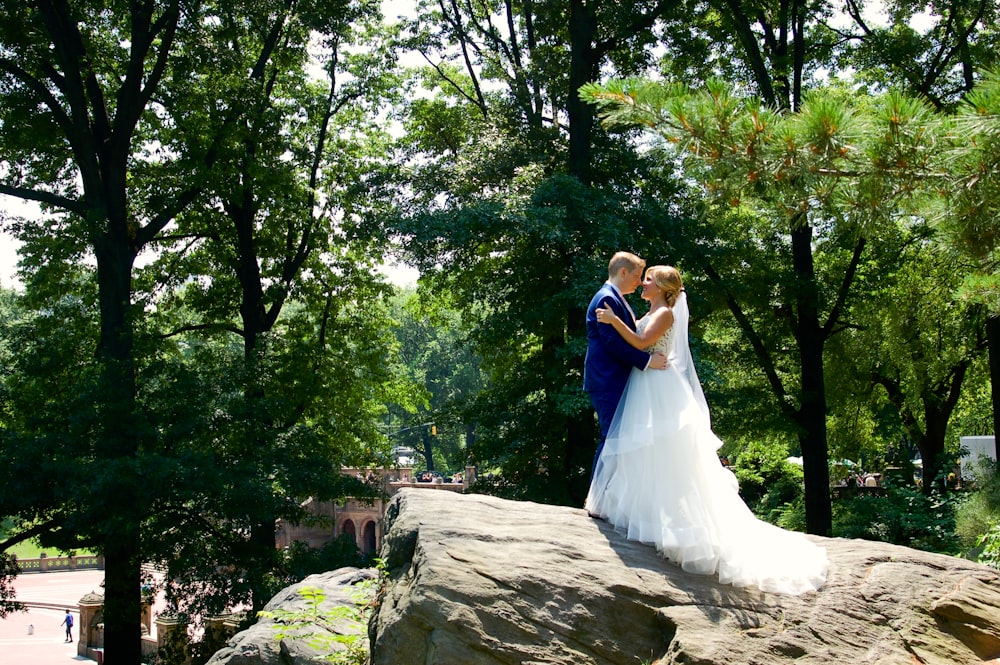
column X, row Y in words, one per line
column 347, row 527
column 368, row 545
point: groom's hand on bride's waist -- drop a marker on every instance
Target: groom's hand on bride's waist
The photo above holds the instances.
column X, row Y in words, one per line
column 657, row 361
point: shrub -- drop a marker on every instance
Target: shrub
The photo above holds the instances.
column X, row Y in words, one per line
column 325, row 631
column 989, row 544
column 901, row 515
column 767, row 480
column 298, row 561
column 979, row 512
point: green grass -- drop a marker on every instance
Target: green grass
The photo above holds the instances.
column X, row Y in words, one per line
column 30, row 550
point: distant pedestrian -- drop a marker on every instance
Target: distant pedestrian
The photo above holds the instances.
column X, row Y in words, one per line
column 68, row 622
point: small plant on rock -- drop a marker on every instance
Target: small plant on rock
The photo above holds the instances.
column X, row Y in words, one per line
column 338, row 634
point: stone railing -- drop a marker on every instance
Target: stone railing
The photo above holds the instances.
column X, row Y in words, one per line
column 169, row 643
column 49, row 564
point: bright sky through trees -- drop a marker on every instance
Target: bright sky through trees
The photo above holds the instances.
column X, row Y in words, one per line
column 400, row 275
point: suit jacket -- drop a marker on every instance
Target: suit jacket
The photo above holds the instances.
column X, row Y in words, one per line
column 610, row 358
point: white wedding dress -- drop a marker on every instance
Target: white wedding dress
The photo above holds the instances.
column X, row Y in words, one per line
column 659, row 481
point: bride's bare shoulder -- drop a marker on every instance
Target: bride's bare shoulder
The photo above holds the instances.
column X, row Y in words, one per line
column 660, row 320
column 661, row 311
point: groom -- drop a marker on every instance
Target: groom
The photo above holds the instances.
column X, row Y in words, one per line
column 610, row 358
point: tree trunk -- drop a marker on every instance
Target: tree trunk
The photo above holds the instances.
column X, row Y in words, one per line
column 938, row 407
column 993, row 342
column 812, row 408
column 582, row 30
column 735, row 12
column 425, row 438
column 931, row 445
column 581, row 439
column 262, row 531
column 240, row 211
column 117, row 447
column 122, row 608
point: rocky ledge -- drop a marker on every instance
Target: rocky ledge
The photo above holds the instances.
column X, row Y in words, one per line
column 474, row 579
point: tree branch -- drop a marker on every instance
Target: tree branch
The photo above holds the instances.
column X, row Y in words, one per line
column 766, row 364
column 845, row 288
column 28, row 534
column 57, row 200
column 202, row 326
column 44, row 95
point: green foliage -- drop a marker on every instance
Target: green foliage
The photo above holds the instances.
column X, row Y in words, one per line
column 898, row 49
column 770, row 485
column 989, row 544
column 299, row 561
column 791, row 516
column 979, row 510
column 767, row 480
column 322, row 630
column 439, row 361
column 338, row 634
column 8, row 571
column 912, row 381
column 900, row 514
column 971, row 224
column 48, row 436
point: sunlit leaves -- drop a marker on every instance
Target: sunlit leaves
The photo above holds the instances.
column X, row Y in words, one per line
column 835, row 155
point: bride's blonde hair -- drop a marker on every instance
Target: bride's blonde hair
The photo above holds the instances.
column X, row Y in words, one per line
column 667, row 279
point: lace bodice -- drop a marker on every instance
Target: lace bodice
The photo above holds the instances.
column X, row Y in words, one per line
column 662, row 345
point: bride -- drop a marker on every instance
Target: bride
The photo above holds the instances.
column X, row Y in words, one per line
column 659, row 480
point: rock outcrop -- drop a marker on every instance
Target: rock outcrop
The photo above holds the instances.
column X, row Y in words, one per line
column 279, row 641
column 479, row 580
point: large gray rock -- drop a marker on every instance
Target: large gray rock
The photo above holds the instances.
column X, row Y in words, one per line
column 277, row 641
column 480, row 580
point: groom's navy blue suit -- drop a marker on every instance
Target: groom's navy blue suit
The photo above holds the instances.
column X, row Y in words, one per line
column 609, row 360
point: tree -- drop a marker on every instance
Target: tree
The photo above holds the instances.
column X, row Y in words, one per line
column 265, row 234
column 935, row 53
column 80, row 84
column 9, row 313
column 437, row 357
column 971, row 218
column 102, row 125
column 943, row 61
column 912, row 347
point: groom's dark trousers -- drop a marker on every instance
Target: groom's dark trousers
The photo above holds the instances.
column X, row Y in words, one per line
column 605, row 403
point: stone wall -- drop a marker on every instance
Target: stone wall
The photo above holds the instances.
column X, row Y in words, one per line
column 48, row 564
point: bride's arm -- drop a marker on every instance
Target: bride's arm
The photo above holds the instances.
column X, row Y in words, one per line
column 660, row 322
column 606, row 315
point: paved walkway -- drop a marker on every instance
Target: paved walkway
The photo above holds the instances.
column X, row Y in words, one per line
column 36, row 637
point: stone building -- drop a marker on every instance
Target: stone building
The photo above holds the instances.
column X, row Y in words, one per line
column 363, row 521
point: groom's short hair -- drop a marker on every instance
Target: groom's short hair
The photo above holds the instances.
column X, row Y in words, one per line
column 624, row 260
